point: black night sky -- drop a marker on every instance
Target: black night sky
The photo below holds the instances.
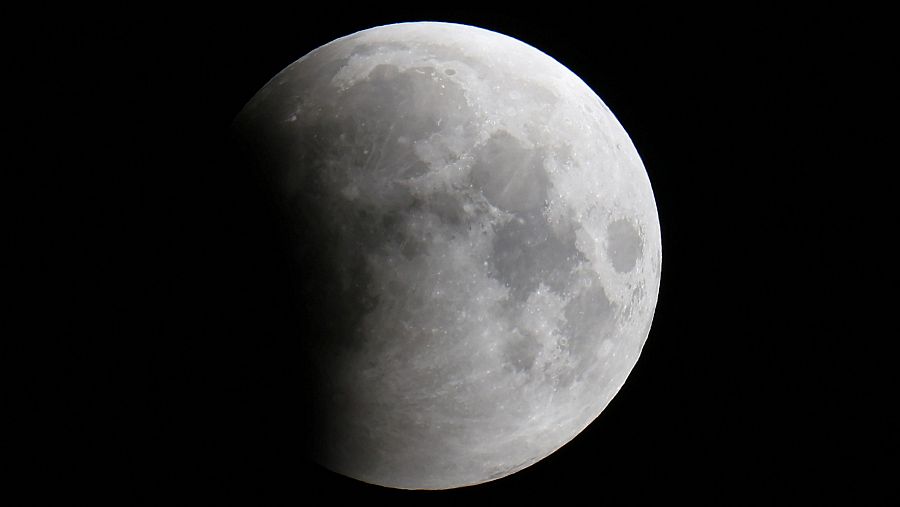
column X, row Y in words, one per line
column 175, row 381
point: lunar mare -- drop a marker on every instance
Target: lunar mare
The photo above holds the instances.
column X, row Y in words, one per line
column 476, row 246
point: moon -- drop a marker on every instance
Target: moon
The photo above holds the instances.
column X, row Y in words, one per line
column 475, row 248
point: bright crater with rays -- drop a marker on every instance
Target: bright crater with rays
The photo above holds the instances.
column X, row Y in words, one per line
column 476, row 244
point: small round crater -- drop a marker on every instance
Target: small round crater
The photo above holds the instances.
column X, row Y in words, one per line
column 449, row 72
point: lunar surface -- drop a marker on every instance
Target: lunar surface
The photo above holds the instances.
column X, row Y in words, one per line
column 476, row 249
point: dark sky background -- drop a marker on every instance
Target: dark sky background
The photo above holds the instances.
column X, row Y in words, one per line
column 760, row 380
